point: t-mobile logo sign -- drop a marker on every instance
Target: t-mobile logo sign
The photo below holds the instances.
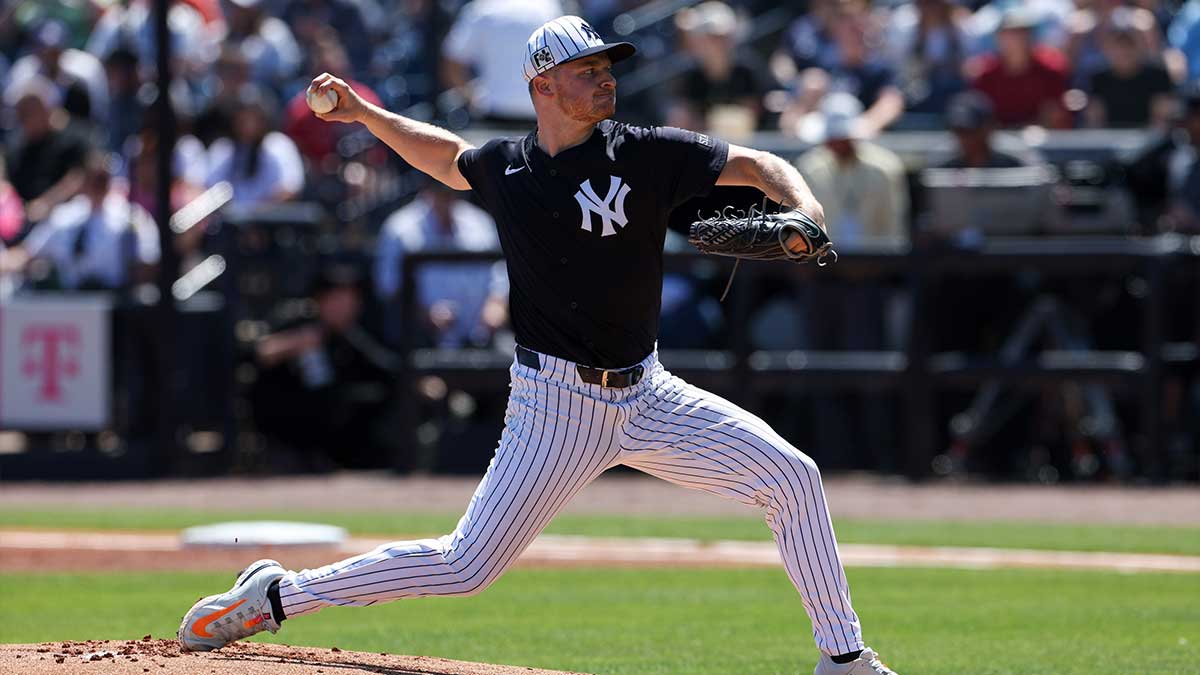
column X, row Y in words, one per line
column 50, row 355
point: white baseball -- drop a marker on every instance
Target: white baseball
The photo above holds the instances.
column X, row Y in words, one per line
column 321, row 103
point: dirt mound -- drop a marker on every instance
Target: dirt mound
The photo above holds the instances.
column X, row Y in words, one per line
column 164, row 657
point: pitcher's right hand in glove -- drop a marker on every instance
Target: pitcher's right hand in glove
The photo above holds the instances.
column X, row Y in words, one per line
column 787, row 235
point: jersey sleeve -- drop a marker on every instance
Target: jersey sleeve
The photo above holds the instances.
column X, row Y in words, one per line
column 694, row 162
column 473, row 165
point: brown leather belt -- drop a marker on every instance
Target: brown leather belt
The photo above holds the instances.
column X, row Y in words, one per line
column 610, row 379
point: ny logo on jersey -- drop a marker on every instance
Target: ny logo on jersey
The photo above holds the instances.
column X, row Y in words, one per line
column 590, row 204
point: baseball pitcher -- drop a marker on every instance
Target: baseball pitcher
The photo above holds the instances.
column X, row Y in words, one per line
column 582, row 205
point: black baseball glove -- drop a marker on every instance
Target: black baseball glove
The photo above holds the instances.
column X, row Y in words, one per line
column 787, row 235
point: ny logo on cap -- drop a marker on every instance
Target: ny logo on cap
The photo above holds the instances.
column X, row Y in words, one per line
column 542, row 59
column 589, row 32
column 591, row 203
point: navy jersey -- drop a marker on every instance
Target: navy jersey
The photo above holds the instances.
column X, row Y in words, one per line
column 583, row 232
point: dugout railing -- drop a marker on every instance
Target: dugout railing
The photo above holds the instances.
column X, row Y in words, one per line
column 916, row 373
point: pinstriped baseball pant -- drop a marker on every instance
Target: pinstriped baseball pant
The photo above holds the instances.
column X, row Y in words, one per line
column 560, row 433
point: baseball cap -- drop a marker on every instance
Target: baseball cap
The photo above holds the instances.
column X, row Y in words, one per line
column 1018, row 18
column 565, row 39
column 969, row 110
column 839, row 118
column 707, row 18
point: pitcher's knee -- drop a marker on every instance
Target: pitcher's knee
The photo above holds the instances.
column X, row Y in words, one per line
column 794, row 476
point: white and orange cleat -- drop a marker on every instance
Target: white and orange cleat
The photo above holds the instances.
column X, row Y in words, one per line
column 238, row 613
column 867, row 663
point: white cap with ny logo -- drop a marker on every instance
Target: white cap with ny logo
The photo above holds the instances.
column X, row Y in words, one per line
column 565, row 39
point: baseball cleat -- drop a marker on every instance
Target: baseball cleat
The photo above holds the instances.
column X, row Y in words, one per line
column 240, row 612
column 867, row 663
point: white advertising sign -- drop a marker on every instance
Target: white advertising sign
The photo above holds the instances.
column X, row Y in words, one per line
column 54, row 362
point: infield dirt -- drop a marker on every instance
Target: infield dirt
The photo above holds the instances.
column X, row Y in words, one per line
column 164, row 657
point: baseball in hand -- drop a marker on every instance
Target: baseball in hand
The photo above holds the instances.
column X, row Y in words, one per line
column 323, row 102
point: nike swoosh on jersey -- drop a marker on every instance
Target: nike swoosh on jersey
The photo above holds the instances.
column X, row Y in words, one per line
column 200, row 628
column 508, row 170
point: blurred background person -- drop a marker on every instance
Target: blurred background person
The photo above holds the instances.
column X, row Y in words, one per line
column 125, row 107
column 1157, row 172
column 97, row 240
column 1094, row 21
column 807, row 42
column 722, row 89
column 1184, row 37
column 45, row 156
column 460, row 304
column 324, row 385
column 262, row 164
column 971, row 117
column 480, row 66
column 313, row 20
column 860, row 69
column 1183, row 169
column 218, row 92
column 861, row 185
column 1132, row 89
column 77, row 75
column 267, row 43
column 928, row 42
column 1024, row 81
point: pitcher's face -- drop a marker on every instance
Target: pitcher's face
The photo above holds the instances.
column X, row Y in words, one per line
column 584, row 89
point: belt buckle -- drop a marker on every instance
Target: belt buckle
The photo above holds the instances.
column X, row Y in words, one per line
column 604, row 378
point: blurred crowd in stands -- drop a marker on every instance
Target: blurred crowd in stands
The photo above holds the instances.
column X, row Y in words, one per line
column 832, row 79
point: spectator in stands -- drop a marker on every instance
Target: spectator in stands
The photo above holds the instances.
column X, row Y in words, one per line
column 861, row 185
column 219, row 94
column 972, row 119
column 189, row 172
column 324, row 383
column 98, row 240
column 1184, row 36
column 77, row 76
column 314, row 20
column 125, row 108
column 928, row 41
column 195, row 35
column 808, row 42
column 857, row 71
column 1157, row 174
column 266, row 41
column 722, row 89
column 262, row 164
column 1090, row 26
column 1183, row 169
column 462, row 304
column 1132, row 89
column 1025, row 82
column 45, row 157
column 479, row 64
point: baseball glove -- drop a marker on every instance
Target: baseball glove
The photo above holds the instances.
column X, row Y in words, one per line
column 756, row 235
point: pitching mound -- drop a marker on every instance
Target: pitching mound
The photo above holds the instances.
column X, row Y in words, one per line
column 164, row 657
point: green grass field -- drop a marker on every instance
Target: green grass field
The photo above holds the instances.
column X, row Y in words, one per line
column 690, row 622
column 1123, row 539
